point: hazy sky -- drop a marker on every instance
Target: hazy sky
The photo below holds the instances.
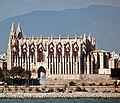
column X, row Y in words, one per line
column 9, row 8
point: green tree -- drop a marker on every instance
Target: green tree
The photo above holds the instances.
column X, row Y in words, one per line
column 26, row 74
column 16, row 71
column 19, row 73
column 6, row 75
column 1, row 72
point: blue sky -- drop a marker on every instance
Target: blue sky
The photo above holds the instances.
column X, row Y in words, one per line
column 10, row 8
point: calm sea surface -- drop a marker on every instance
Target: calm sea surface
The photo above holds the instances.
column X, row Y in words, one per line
column 58, row 101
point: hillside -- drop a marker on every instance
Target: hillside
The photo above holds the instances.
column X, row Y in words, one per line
column 101, row 21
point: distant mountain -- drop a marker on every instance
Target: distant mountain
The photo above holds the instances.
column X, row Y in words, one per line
column 102, row 21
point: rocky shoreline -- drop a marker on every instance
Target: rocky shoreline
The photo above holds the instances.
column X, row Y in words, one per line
column 74, row 95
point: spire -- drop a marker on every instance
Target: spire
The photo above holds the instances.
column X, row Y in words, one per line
column 89, row 34
column 19, row 28
column 51, row 38
column 89, row 37
column 75, row 38
column 19, row 31
column 84, row 37
column 68, row 38
column 13, row 27
column 59, row 38
column 13, row 31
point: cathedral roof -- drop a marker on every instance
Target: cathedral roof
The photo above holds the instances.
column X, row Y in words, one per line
column 100, row 51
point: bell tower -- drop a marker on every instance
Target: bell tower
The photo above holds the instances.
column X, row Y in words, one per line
column 9, row 50
column 19, row 31
column 13, row 31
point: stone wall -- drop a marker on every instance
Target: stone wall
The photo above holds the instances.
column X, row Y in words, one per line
column 80, row 76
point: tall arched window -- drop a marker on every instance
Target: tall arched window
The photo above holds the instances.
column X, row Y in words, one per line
column 32, row 52
column 40, row 50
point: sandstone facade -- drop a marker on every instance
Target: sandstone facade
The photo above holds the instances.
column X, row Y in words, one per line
column 47, row 57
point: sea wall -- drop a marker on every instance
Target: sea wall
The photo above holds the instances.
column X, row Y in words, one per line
column 38, row 89
column 59, row 95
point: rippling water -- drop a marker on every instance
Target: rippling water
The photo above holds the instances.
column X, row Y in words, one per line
column 58, row 101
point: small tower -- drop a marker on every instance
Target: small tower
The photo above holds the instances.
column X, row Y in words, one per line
column 68, row 38
column 84, row 38
column 9, row 49
column 59, row 38
column 93, row 42
column 89, row 37
column 19, row 31
column 13, row 31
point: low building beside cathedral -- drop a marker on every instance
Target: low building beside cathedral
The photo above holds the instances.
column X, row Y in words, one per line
column 57, row 57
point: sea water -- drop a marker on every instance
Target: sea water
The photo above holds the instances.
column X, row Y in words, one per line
column 59, row 101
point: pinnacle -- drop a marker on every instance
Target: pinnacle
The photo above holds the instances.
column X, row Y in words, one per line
column 13, row 27
column 19, row 28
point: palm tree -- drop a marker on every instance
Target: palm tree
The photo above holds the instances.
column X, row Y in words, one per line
column 26, row 74
column 6, row 74
column 16, row 71
column 6, row 78
column 1, row 74
column 19, row 73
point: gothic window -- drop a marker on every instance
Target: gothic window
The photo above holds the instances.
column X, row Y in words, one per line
column 14, row 49
column 19, row 35
column 105, row 61
column 24, row 52
column 13, row 58
column 45, row 46
column 24, row 57
column 16, row 58
column 32, row 52
column 59, row 47
column 67, row 48
column 40, row 52
column 51, row 49
column 32, row 57
column 59, row 51
column 40, row 56
column 76, row 47
column 43, row 58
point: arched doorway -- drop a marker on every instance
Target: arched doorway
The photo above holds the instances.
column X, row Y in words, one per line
column 42, row 75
